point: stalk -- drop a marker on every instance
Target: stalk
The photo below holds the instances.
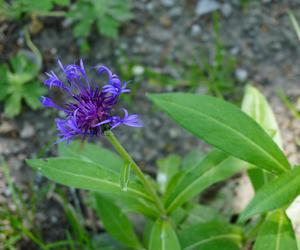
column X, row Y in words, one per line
column 122, row 151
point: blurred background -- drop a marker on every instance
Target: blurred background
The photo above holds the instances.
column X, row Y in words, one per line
column 210, row 47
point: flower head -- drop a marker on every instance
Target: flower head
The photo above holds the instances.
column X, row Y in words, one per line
column 89, row 108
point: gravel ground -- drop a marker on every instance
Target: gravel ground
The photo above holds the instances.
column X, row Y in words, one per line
column 260, row 36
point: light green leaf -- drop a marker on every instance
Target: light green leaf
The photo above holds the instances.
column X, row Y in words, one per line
column 275, row 194
column 13, row 105
column 215, row 167
column 225, row 126
column 125, row 176
column 92, row 153
column 255, row 105
column 276, row 233
column 167, row 168
column 163, row 237
column 116, row 222
column 209, row 236
column 85, row 175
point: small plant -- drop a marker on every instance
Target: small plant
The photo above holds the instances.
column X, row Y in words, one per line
column 247, row 139
column 18, row 80
column 17, row 9
column 216, row 73
column 107, row 15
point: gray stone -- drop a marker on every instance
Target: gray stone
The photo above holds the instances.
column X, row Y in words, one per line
column 241, row 75
column 206, row 6
column 167, row 3
column 226, row 9
column 196, row 30
column 175, row 12
column 27, row 131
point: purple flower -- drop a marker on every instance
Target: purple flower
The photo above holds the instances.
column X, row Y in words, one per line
column 114, row 85
column 89, row 108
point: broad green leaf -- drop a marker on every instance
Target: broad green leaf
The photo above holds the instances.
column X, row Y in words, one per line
column 210, row 236
column 31, row 93
column 92, row 153
column 225, row 126
column 85, row 175
column 216, row 167
column 13, row 105
column 256, row 106
column 276, row 233
column 125, row 176
column 201, row 214
column 108, row 26
column 163, row 237
column 167, row 168
column 275, row 194
column 116, row 222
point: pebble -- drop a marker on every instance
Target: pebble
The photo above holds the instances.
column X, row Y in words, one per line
column 206, row 6
column 7, row 127
column 196, row 30
column 175, row 12
column 138, row 70
column 27, row 131
column 226, row 9
column 168, row 3
column 241, row 75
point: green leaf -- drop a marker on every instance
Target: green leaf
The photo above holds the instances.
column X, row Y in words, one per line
column 209, row 236
column 276, row 233
column 3, row 81
column 92, row 153
column 85, row 175
column 225, row 126
column 31, row 93
column 275, row 194
column 62, row 2
column 215, row 167
column 167, row 168
column 198, row 213
column 163, row 237
column 116, row 222
column 256, row 106
column 108, row 27
column 125, row 176
column 83, row 28
column 13, row 105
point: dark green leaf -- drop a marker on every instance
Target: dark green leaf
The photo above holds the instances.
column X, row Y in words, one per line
column 31, row 93
column 224, row 126
column 163, row 237
column 276, row 233
column 92, row 153
column 85, row 175
column 116, row 222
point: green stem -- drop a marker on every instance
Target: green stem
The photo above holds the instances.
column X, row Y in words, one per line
column 122, row 151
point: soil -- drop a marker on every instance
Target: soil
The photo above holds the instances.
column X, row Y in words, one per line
column 259, row 35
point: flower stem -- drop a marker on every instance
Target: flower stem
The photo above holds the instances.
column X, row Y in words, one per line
column 122, row 151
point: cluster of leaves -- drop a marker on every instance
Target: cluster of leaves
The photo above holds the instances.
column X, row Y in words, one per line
column 18, row 82
column 19, row 8
column 245, row 141
column 107, row 15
